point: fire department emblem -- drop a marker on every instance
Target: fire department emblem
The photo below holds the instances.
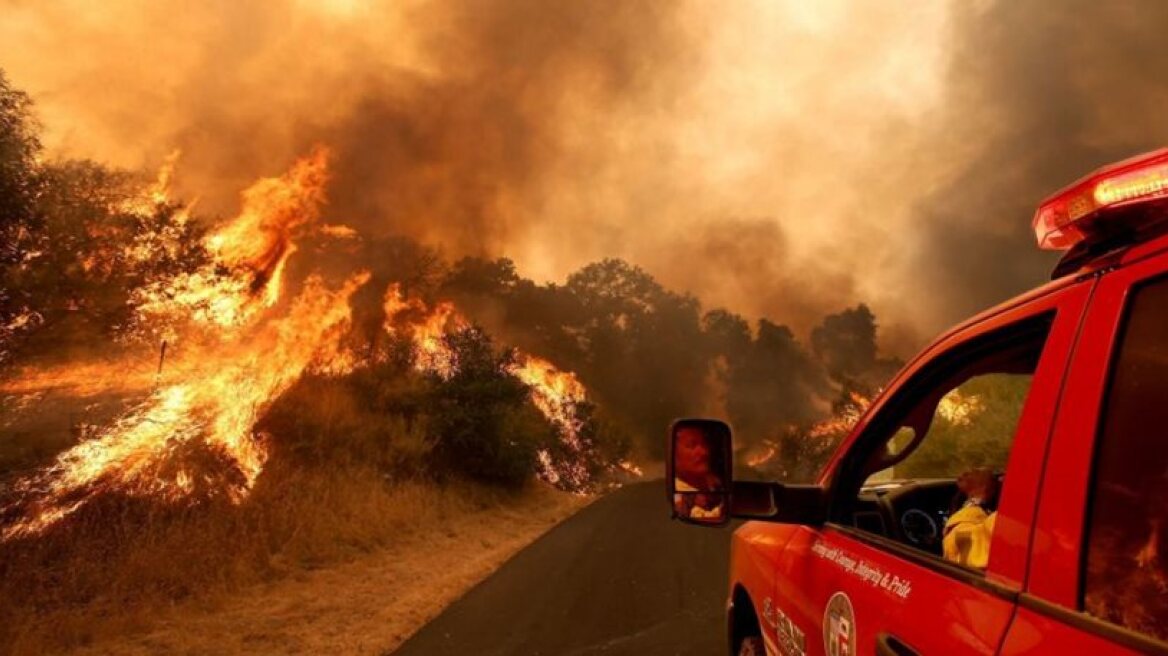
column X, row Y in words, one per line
column 839, row 626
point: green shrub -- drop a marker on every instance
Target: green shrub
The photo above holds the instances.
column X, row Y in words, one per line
column 480, row 418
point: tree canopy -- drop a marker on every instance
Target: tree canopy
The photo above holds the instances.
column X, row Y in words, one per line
column 75, row 244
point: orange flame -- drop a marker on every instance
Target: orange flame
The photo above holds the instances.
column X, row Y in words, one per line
column 239, row 347
column 843, row 421
column 249, row 254
column 77, row 379
column 155, row 194
column 424, row 327
column 217, row 406
column 762, row 457
column 554, row 392
column 224, row 387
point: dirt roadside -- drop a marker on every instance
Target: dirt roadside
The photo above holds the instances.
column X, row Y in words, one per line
column 366, row 606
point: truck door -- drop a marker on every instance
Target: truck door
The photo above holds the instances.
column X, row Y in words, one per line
column 1099, row 569
column 874, row 579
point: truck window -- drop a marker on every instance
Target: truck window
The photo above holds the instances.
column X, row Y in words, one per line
column 1127, row 536
column 972, row 427
column 934, row 460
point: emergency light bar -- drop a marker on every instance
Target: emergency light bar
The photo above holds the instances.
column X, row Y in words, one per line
column 1079, row 212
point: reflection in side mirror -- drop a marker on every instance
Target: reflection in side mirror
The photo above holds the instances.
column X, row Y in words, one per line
column 698, row 471
column 700, row 507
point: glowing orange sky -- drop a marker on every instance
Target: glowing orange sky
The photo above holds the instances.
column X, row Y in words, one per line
column 769, row 156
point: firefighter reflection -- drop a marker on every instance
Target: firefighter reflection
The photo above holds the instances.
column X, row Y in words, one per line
column 696, row 481
column 969, row 530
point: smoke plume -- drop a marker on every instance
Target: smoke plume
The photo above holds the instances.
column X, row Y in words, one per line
column 1038, row 98
column 771, row 157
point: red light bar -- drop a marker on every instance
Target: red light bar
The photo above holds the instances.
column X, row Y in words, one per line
column 1066, row 218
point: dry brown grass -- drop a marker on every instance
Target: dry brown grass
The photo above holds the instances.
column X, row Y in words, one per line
column 112, row 574
column 348, row 526
column 369, row 605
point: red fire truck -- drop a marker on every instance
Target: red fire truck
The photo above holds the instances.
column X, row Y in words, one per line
column 1059, row 396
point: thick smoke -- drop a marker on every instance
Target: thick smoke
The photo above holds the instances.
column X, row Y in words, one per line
column 553, row 133
column 772, row 157
column 1039, row 97
column 446, row 119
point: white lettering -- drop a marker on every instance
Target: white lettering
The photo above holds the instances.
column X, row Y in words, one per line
column 863, row 570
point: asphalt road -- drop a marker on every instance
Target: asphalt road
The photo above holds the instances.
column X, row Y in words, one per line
column 617, row 578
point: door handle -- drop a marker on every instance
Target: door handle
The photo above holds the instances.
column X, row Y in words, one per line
column 889, row 645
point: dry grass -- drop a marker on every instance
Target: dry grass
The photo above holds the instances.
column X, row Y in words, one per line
column 113, row 574
column 366, row 606
column 348, row 542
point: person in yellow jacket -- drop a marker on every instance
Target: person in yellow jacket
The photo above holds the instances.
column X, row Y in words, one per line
column 969, row 531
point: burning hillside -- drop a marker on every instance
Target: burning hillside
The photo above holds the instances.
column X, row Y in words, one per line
column 191, row 403
column 795, row 453
column 236, row 334
column 557, row 394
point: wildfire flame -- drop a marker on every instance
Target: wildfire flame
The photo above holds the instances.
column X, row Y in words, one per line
column 556, row 393
column 820, row 435
column 224, row 385
column 761, row 458
column 155, row 194
column 424, row 327
column 249, row 254
column 82, row 380
column 956, row 408
column 239, row 346
column 840, row 423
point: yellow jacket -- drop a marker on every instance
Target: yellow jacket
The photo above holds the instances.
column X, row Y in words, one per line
column 696, row 502
column 967, row 536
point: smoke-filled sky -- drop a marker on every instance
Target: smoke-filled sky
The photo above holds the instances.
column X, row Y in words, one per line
column 781, row 158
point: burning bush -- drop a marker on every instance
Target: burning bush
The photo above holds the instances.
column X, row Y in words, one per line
column 302, row 382
column 481, row 419
column 477, row 416
column 796, row 453
column 241, row 340
column 77, row 239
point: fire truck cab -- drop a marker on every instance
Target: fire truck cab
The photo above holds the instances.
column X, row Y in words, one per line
column 1060, row 395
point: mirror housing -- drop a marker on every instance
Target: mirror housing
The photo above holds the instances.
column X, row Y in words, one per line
column 779, row 502
column 701, row 489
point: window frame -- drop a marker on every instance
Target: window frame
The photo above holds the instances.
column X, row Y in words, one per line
column 1097, row 624
column 937, row 371
column 923, row 442
column 1064, row 303
column 1055, row 574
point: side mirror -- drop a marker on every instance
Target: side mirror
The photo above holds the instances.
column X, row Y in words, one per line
column 698, row 471
column 699, row 478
